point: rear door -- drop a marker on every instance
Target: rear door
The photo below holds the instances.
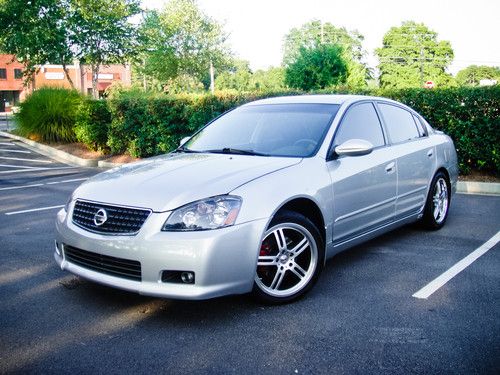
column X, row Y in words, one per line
column 364, row 187
column 415, row 157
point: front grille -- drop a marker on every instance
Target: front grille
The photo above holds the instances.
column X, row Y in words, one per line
column 124, row 268
column 120, row 220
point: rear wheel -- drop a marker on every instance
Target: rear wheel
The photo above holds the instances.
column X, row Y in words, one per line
column 290, row 259
column 438, row 202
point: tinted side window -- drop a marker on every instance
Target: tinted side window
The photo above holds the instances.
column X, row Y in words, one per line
column 399, row 122
column 361, row 122
column 420, row 126
column 3, row 73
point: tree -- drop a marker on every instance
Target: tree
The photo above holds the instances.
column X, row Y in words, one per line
column 471, row 75
column 237, row 78
column 316, row 33
column 181, row 41
column 272, row 79
column 36, row 32
column 411, row 55
column 317, row 68
column 101, row 33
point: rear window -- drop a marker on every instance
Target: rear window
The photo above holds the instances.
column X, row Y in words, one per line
column 399, row 123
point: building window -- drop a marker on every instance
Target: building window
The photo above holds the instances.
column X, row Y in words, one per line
column 3, row 73
column 18, row 73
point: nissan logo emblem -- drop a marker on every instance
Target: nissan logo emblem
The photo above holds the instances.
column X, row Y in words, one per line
column 100, row 217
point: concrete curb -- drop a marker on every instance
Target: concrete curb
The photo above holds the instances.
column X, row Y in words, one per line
column 465, row 187
column 52, row 152
column 475, row 187
column 108, row 164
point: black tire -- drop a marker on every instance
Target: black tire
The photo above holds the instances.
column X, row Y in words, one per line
column 438, row 203
column 290, row 261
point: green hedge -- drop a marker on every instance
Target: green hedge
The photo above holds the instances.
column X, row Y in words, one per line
column 93, row 120
column 146, row 125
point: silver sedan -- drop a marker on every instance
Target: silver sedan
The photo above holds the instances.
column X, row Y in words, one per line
column 259, row 199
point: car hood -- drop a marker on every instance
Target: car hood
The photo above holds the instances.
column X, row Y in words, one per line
column 169, row 181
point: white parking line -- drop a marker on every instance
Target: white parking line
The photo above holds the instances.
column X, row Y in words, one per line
column 6, row 143
column 442, row 279
column 64, row 181
column 17, row 166
column 34, row 210
column 47, row 183
column 24, row 159
column 35, row 169
column 19, row 151
column 20, row 187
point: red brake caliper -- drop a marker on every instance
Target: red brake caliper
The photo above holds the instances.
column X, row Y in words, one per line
column 265, row 249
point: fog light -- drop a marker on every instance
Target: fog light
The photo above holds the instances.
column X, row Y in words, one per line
column 187, row 277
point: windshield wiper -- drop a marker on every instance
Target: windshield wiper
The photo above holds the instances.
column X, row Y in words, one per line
column 237, row 151
column 187, row 150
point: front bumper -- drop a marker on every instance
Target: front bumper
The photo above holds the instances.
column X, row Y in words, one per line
column 223, row 260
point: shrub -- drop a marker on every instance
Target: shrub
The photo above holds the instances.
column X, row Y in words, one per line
column 49, row 114
column 92, row 124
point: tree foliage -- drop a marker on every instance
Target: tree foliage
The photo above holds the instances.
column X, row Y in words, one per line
column 411, row 55
column 36, row 32
column 181, row 41
column 471, row 75
column 272, row 79
column 96, row 32
column 241, row 78
column 314, row 33
column 101, row 32
column 317, row 68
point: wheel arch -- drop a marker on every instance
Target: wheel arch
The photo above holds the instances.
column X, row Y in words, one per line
column 443, row 170
column 310, row 209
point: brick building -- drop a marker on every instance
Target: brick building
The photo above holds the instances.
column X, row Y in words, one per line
column 11, row 80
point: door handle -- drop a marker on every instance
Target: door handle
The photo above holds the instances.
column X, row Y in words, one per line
column 430, row 153
column 389, row 168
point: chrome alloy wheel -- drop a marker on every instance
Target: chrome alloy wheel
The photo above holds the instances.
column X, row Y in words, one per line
column 440, row 201
column 287, row 260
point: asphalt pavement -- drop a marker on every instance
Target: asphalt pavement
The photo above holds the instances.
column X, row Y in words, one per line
column 361, row 317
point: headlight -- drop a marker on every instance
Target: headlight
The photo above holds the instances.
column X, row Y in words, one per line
column 68, row 203
column 210, row 213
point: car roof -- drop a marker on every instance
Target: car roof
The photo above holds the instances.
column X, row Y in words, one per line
column 315, row 99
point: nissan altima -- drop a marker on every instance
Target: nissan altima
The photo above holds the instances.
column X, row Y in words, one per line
column 259, row 199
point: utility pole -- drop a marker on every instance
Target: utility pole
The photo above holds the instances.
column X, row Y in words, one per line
column 212, row 81
column 421, row 66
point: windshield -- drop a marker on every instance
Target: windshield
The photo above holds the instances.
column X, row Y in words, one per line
column 294, row 130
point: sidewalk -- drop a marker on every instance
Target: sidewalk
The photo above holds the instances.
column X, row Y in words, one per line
column 465, row 187
column 6, row 121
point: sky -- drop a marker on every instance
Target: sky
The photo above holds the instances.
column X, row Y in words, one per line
column 256, row 28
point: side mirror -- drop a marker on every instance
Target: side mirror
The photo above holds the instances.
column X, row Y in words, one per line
column 183, row 140
column 354, row 147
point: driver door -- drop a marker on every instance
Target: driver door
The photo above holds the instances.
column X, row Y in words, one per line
column 364, row 187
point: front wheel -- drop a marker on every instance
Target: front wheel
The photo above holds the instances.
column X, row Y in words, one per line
column 290, row 259
column 438, row 203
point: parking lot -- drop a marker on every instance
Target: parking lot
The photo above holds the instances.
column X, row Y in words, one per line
column 368, row 313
